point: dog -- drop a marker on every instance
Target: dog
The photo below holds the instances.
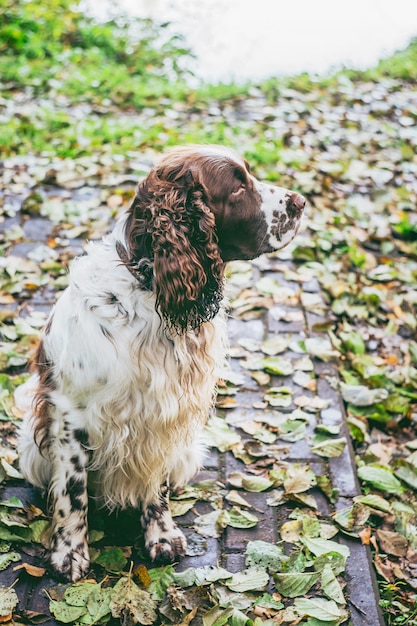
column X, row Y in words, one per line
column 124, row 377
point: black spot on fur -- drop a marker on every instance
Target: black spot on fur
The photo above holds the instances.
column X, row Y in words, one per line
column 75, row 460
column 81, row 436
column 76, row 491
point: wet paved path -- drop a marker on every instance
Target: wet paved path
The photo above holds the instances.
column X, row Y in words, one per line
column 304, row 309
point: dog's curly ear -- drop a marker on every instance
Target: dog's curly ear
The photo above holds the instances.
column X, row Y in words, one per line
column 188, row 269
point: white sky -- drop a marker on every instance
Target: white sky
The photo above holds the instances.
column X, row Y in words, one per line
column 259, row 38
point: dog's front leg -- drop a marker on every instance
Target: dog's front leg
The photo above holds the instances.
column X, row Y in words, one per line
column 69, row 556
column 164, row 541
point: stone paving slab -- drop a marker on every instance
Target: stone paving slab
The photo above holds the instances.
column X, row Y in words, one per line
column 229, row 550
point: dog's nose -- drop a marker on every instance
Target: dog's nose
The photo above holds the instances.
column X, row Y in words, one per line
column 295, row 204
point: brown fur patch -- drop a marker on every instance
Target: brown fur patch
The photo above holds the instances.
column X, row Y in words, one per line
column 44, row 368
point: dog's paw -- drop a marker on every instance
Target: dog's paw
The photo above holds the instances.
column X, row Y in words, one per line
column 69, row 557
column 164, row 545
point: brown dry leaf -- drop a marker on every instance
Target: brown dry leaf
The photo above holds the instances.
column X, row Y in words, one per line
column 262, row 378
column 226, row 402
column 382, row 452
column 384, row 567
column 392, row 543
column 32, row 570
column 6, row 298
column 312, row 404
column 114, row 201
column 365, row 535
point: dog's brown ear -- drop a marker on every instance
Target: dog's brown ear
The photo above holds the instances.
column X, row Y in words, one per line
column 188, row 270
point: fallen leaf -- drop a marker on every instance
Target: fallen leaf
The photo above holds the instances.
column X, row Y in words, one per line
column 32, row 570
column 132, row 604
column 292, row 585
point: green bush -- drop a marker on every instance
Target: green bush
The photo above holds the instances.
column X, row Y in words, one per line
column 50, row 46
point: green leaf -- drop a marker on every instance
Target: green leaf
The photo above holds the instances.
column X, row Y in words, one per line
column 77, row 594
column 210, row 574
column 407, row 472
column 279, row 396
column 161, row 578
column 217, row 616
column 375, row 502
column 318, row 546
column 325, row 610
column 239, row 518
column 238, row 618
column 251, row 579
column 291, row 585
column 335, row 560
column 249, row 482
column 13, row 520
column 209, row 525
column 268, row 602
column 360, row 395
column 264, row 554
column 201, row 576
column 18, row 534
column 186, row 578
column 381, row 478
column 320, row 347
column 40, row 531
column 112, row 559
column 7, row 558
column 181, row 507
column 292, row 430
column 353, row 341
column 352, row 518
column 12, row 503
column 396, row 403
column 65, row 613
column 98, row 603
column 332, row 429
column 219, row 435
column 331, row 586
column 330, row 448
column 278, row 366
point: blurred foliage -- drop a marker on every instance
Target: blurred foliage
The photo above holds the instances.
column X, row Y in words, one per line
column 51, row 47
column 54, row 58
column 402, row 65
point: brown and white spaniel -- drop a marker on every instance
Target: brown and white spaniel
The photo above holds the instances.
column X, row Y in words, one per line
column 125, row 374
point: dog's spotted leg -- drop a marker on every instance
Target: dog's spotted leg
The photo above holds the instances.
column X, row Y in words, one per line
column 164, row 541
column 69, row 556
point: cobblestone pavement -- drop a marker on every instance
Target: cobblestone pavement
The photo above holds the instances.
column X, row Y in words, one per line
column 361, row 589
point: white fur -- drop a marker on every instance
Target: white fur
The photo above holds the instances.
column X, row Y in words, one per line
column 140, row 386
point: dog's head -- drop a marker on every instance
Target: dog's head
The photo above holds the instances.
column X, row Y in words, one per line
column 199, row 207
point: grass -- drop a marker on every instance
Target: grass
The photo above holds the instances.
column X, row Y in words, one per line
column 127, row 72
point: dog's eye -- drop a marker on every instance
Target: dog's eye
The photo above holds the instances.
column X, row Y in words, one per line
column 239, row 191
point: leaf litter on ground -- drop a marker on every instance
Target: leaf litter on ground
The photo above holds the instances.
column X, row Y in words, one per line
column 357, row 257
